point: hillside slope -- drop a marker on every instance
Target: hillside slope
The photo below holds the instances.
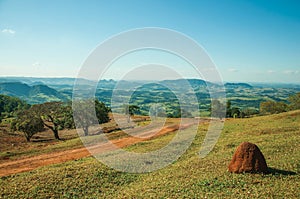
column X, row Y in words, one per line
column 189, row 177
column 31, row 94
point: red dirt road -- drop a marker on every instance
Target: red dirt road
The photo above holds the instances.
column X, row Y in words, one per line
column 31, row 163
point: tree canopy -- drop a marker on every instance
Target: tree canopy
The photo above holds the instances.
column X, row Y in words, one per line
column 55, row 115
column 8, row 105
column 218, row 109
column 294, row 101
column 27, row 122
column 271, row 107
column 84, row 116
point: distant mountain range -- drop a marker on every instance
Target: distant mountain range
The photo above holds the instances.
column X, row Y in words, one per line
column 39, row 90
column 68, row 82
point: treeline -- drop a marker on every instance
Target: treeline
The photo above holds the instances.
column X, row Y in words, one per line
column 222, row 110
column 56, row 116
column 265, row 108
column 272, row 107
column 236, row 112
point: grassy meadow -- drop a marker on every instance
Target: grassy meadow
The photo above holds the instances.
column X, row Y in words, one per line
column 278, row 137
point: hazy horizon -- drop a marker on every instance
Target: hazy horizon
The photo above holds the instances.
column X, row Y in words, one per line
column 142, row 80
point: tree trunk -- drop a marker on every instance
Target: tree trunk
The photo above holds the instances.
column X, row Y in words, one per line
column 54, row 130
column 128, row 118
column 86, row 130
column 27, row 138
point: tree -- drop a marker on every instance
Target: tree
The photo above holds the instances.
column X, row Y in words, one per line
column 28, row 123
column 232, row 111
column 84, row 116
column 281, row 107
column 102, row 112
column 294, row 101
column 235, row 112
column 130, row 110
column 218, row 109
column 53, row 114
column 266, row 107
column 248, row 112
column 228, row 108
column 271, row 107
column 9, row 105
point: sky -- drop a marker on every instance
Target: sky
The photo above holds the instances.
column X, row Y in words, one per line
column 249, row 41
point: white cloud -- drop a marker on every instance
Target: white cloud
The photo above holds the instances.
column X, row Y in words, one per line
column 271, row 71
column 208, row 69
column 291, row 72
column 8, row 31
column 233, row 70
column 36, row 64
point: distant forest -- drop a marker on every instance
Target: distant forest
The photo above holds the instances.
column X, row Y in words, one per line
column 30, row 108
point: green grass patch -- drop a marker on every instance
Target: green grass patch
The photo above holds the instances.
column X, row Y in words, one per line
column 277, row 136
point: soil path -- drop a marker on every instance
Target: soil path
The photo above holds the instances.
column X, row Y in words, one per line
column 31, row 163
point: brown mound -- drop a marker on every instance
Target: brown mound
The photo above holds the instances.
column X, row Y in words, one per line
column 248, row 158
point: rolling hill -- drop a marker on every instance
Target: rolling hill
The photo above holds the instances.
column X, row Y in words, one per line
column 32, row 94
column 242, row 95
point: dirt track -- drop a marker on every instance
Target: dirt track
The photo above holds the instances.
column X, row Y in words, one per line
column 31, row 163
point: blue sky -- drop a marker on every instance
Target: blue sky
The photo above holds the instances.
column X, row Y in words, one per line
column 249, row 41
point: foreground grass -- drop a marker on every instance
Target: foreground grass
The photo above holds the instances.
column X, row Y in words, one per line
column 277, row 136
